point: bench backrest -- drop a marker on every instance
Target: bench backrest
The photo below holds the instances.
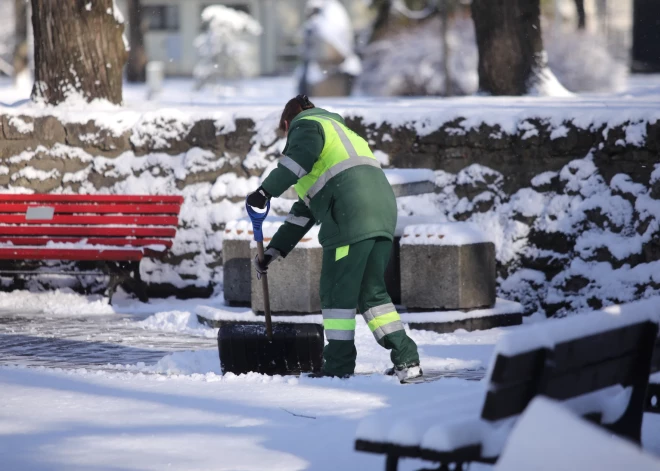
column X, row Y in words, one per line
column 571, row 368
column 114, row 220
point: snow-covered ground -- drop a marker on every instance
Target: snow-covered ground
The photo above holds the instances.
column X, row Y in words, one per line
column 170, row 408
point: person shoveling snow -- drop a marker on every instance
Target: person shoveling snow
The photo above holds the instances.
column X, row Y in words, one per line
column 341, row 186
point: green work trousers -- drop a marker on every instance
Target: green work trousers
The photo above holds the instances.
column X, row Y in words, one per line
column 354, row 277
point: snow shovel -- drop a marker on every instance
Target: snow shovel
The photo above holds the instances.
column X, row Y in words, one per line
column 272, row 349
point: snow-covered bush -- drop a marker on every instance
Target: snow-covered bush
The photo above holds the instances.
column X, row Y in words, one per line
column 411, row 62
column 227, row 47
column 582, row 63
column 330, row 46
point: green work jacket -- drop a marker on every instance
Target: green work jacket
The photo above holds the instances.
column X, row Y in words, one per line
column 339, row 183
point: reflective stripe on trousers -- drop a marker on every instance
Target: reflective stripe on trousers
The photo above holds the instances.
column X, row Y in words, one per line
column 339, row 324
column 383, row 320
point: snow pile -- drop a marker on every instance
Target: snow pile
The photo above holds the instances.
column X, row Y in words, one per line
column 226, row 49
column 546, row 427
column 188, row 363
column 60, row 302
column 177, row 321
column 452, row 234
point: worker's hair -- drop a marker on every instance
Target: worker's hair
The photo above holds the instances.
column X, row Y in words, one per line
column 293, row 107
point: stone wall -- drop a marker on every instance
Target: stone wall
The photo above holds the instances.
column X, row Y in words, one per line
column 554, row 194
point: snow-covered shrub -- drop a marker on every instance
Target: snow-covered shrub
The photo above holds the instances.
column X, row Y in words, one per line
column 330, row 47
column 582, row 63
column 411, row 62
column 227, row 47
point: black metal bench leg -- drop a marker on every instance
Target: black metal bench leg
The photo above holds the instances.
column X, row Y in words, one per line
column 139, row 287
column 391, row 462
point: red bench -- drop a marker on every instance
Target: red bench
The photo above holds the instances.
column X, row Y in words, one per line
column 113, row 231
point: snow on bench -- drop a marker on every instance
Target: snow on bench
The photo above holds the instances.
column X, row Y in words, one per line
column 597, row 364
column 549, row 437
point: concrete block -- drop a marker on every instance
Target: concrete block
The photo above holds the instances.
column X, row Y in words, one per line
column 236, row 261
column 236, row 269
column 447, row 266
column 504, row 313
column 393, row 270
column 293, row 282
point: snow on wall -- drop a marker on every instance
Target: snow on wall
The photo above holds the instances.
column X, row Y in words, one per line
column 568, row 190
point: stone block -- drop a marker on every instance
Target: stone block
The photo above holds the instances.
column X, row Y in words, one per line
column 236, row 268
column 393, row 269
column 18, row 127
column 447, row 266
column 293, row 282
column 503, row 314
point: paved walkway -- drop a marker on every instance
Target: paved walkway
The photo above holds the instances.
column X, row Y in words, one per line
column 94, row 342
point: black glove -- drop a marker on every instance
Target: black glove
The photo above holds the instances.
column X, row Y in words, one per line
column 270, row 255
column 258, row 199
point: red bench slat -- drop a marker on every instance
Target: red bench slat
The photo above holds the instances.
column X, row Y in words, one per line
column 126, row 199
column 25, row 253
column 36, row 230
column 94, row 220
column 94, row 208
column 117, row 241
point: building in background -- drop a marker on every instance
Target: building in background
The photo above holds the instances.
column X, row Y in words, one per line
column 173, row 26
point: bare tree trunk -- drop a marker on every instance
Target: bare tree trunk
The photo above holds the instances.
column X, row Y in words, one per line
column 136, row 68
column 510, row 45
column 21, row 60
column 78, row 49
column 582, row 15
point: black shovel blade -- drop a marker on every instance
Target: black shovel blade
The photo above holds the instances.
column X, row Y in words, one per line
column 294, row 348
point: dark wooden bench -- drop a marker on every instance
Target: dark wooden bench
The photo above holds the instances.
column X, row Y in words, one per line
column 585, row 372
column 112, row 232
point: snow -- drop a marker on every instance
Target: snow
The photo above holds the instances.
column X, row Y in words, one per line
column 546, row 427
column 403, row 176
column 177, row 321
column 246, row 315
column 502, row 306
column 241, row 229
column 449, row 234
column 21, row 126
column 554, row 331
column 54, row 303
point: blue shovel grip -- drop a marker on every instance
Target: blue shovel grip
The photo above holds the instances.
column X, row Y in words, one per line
column 257, row 220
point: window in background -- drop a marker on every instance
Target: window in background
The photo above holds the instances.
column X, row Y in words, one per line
column 162, row 17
